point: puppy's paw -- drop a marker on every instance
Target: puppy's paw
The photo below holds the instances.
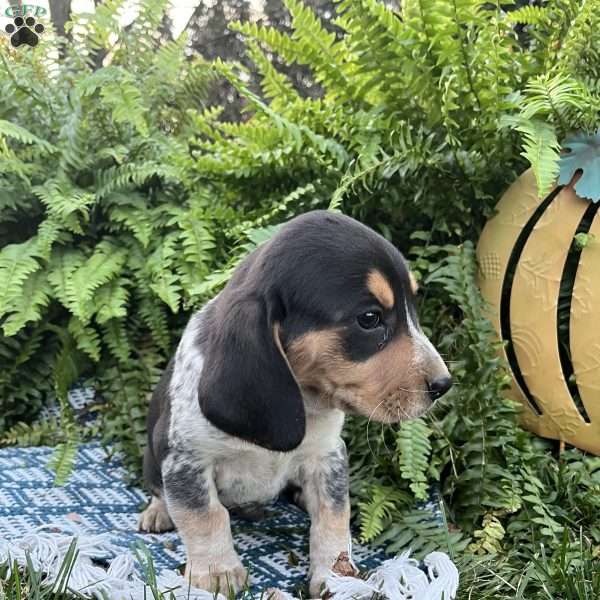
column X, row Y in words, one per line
column 317, row 583
column 220, row 579
column 343, row 566
column 155, row 519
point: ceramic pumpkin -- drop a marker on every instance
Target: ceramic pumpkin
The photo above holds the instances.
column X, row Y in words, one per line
column 544, row 295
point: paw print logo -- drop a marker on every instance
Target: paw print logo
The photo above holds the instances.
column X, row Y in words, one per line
column 24, row 31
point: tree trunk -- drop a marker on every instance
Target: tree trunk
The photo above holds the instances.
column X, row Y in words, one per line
column 60, row 13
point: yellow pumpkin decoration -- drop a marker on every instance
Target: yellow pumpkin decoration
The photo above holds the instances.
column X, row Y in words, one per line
column 523, row 254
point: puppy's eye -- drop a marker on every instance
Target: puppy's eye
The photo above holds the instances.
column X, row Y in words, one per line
column 369, row 320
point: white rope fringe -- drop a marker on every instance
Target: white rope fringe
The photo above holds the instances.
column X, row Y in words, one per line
column 397, row 579
column 401, row 578
column 120, row 581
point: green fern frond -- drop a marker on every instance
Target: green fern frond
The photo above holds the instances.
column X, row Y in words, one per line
column 169, row 60
column 130, row 209
column 196, row 239
column 375, row 513
column 75, row 138
column 92, row 31
column 488, row 539
column 542, row 149
column 27, row 360
column 528, row 15
column 127, row 104
column 49, row 232
column 41, row 433
column 551, row 97
column 417, row 531
column 114, row 335
column 275, row 85
column 65, row 202
column 414, row 449
column 259, row 229
column 35, row 296
column 123, row 176
column 321, row 50
column 215, row 280
column 538, row 509
column 297, row 135
column 86, row 338
column 165, row 282
column 360, row 171
column 119, row 91
column 104, row 265
column 579, row 52
column 271, row 37
column 17, row 263
column 21, row 134
column 67, row 369
column 63, row 264
column 111, row 300
column 63, row 458
column 139, row 37
column 155, row 319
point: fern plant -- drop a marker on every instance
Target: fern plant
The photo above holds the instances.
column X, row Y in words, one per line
column 378, row 510
column 565, row 97
column 112, row 232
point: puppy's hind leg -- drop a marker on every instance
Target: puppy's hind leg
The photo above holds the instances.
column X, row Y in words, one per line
column 155, row 518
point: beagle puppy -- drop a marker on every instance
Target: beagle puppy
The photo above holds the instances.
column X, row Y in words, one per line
column 315, row 323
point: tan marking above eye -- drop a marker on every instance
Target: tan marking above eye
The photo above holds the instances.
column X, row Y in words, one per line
column 380, row 287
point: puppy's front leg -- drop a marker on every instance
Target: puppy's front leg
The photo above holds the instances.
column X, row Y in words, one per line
column 203, row 523
column 325, row 492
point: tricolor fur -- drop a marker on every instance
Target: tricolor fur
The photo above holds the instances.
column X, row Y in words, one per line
column 318, row 322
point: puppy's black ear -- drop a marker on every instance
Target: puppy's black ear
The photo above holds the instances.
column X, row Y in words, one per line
column 247, row 388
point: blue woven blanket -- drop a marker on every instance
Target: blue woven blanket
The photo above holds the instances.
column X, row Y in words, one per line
column 97, row 498
column 98, row 501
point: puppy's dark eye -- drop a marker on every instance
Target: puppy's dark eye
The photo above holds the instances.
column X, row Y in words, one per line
column 369, row 320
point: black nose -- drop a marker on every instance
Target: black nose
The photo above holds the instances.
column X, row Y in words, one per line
column 438, row 387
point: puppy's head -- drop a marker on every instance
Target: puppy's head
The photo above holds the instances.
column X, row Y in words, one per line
column 324, row 310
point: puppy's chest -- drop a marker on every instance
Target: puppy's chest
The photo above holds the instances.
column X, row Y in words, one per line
column 252, row 477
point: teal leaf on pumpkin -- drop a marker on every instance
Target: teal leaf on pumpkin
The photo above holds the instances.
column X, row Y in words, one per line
column 585, row 155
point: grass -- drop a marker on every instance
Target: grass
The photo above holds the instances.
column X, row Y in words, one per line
column 569, row 572
column 26, row 583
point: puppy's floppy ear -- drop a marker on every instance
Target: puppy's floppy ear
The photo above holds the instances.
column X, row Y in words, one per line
column 247, row 388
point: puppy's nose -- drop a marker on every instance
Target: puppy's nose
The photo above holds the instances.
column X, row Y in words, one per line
column 438, row 387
